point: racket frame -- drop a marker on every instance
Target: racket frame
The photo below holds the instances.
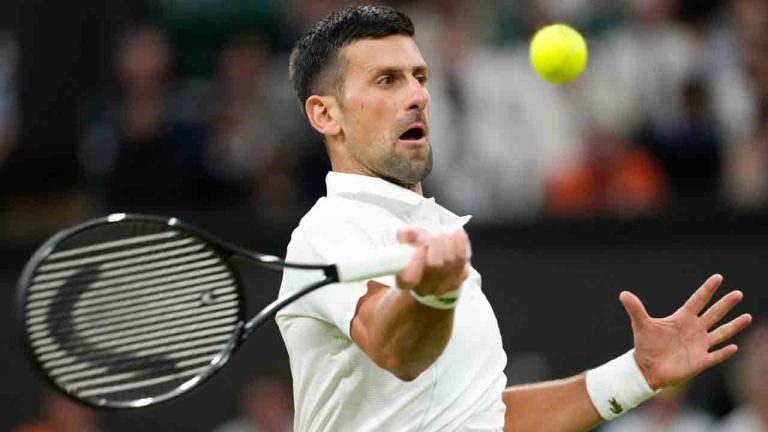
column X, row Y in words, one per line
column 226, row 252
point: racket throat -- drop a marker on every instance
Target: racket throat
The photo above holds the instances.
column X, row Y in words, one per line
column 270, row 311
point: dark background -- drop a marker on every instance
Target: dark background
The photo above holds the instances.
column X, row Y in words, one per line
column 553, row 262
column 553, row 286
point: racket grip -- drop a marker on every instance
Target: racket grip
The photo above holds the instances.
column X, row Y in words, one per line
column 383, row 262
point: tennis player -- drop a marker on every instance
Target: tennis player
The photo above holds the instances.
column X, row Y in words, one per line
column 422, row 351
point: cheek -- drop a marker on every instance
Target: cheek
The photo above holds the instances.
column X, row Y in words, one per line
column 370, row 119
column 376, row 116
column 378, row 109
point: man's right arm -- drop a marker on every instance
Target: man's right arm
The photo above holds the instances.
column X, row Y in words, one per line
column 399, row 333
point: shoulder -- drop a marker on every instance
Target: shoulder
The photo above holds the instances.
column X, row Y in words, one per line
column 336, row 224
column 330, row 211
column 345, row 210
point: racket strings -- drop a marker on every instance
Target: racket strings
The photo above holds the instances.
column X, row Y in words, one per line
column 130, row 274
column 156, row 259
column 129, row 312
column 194, row 291
column 163, row 350
column 132, row 324
column 71, row 371
column 138, row 338
column 95, row 294
column 169, row 309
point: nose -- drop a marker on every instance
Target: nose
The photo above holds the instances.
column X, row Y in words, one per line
column 418, row 96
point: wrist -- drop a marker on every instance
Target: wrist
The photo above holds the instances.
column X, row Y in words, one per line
column 646, row 373
column 443, row 301
column 618, row 386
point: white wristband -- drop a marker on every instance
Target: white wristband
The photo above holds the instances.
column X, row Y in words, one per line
column 442, row 301
column 618, row 386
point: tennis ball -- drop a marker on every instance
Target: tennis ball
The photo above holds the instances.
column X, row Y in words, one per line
column 558, row 53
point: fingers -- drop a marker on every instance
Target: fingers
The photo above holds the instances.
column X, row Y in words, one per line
column 460, row 265
column 721, row 355
column 447, row 255
column 635, row 309
column 715, row 313
column 436, row 252
column 411, row 235
column 461, row 243
column 703, row 295
column 440, row 264
column 410, row 276
column 729, row 330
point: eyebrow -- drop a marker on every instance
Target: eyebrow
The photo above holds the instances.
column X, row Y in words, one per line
column 380, row 70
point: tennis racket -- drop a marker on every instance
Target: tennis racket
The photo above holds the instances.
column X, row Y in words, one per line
column 127, row 311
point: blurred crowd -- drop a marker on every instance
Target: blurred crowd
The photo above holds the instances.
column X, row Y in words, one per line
column 670, row 115
column 156, row 106
column 266, row 405
column 189, row 107
column 748, row 385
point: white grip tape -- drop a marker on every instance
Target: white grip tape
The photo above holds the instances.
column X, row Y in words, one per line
column 381, row 262
column 618, row 386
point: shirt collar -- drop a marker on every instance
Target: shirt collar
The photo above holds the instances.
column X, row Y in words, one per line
column 344, row 183
column 393, row 197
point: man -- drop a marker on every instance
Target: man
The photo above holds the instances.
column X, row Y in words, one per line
column 422, row 350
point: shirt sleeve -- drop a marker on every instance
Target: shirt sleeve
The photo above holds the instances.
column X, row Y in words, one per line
column 335, row 303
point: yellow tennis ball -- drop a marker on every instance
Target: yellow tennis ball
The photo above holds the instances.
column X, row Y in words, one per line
column 558, row 53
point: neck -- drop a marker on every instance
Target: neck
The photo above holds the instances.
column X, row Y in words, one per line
column 413, row 187
column 349, row 165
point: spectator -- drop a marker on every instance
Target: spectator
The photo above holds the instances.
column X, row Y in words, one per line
column 749, row 379
column 499, row 131
column 616, row 177
column 242, row 141
column 200, row 28
column 63, row 415
column 266, row 405
column 747, row 168
column 636, row 72
column 255, row 147
column 667, row 412
column 688, row 145
column 147, row 156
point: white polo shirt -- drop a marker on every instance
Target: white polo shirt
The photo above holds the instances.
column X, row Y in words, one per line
column 337, row 387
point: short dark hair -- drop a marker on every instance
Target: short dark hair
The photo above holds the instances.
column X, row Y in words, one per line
column 317, row 51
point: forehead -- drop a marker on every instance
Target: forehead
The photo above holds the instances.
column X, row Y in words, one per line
column 368, row 55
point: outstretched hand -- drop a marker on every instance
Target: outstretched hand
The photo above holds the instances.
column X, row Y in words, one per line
column 675, row 349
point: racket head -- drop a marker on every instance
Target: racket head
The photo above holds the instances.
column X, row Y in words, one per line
column 130, row 310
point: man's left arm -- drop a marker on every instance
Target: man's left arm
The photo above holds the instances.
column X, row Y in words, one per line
column 667, row 351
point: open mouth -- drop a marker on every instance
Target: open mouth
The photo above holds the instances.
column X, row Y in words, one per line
column 413, row 134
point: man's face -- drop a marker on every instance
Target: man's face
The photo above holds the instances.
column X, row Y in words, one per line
column 385, row 109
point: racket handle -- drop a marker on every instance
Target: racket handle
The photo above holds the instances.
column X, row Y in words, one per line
column 383, row 262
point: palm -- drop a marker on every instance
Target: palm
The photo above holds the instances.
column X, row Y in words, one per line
column 677, row 348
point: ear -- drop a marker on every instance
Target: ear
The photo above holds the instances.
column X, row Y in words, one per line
column 323, row 115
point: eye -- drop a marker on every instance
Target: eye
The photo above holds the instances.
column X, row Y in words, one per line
column 385, row 80
column 421, row 78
